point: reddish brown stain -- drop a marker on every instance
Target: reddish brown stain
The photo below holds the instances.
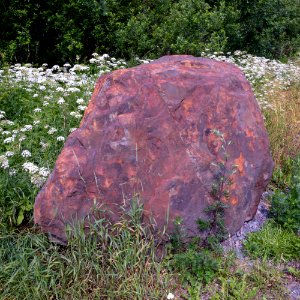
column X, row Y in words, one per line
column 249, row 133
column 239, row 162
column 234, row 201
column 148, row 130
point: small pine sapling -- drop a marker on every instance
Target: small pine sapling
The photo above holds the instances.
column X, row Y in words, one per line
column 214, row 226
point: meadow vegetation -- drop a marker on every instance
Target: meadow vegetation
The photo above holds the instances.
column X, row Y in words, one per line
column 40, row 106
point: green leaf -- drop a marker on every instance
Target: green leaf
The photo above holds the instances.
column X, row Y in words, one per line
column 20, row 217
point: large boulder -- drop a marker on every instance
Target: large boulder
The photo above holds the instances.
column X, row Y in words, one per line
column 148, row 129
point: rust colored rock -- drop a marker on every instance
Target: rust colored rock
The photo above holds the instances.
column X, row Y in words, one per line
column 147, row 129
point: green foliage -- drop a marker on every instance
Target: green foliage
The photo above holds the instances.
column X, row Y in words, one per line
column 261, row 281
column 195, row 266
column 268, row 28
column 178, row 236
column 282, row 175
column 16, row 199
column 273, row 242
column 203, row 224
column 186, row 27
column 214, row 227
column 294, row 272
column 59, row 31
column 51, row 31
column 285, row 206
column 18, row 101
column 111, row 262
column 285, row 209
column 235, row 288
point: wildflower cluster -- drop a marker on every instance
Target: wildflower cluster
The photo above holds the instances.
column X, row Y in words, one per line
column 265, row 75
column 40, row 107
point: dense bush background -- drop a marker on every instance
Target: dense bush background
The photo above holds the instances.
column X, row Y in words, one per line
column 58, row 31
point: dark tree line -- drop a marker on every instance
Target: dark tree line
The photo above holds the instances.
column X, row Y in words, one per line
column 57, row 31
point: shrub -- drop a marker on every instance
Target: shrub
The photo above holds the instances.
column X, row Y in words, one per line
column 59, row 31
column 268, row 28
column 195, row 266
column 183, row 27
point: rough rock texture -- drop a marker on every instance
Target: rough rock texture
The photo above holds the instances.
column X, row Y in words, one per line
column 148, row 129
column 235, row 242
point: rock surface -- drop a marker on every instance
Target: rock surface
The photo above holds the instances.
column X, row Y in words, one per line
column 148, row 129
column 235, row 241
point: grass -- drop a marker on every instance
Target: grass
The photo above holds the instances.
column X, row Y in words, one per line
column 273, row 242
column 113, row 262
column 38, row 110
column 283, row 123
column 261, row 280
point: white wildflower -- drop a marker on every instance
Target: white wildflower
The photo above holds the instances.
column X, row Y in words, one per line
column 45, row 103
column 35, row 95
column 12, row 172
column 72, row 129
column 52, row 130
column 37, row 110
column 61, row 101
column 5, row 132
column 73, row 89
column 170, row 296
column 44, row 172
column 30, row 167
column 55, row 68
column 78, row 116
column 9, row 123
column 44, row 145
column 9, row 140
column 79, row 101
column 37, row 180
column 26, row 153
column 22, row 138
column 73, row 113
column 36, row 122
column 81, row 107
column 42, row 87
column 4, row 162
column 9, row 153
column 60, row 138
column 26, row 128
column 59, row 89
